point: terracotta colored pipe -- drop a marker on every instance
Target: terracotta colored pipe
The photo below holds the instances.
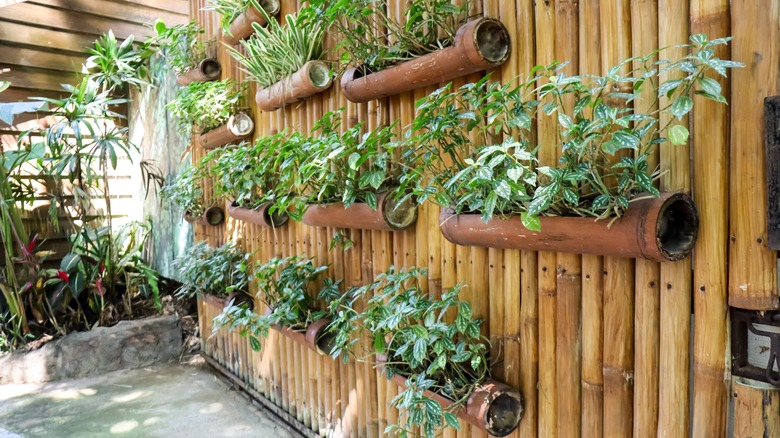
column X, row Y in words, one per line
column 257, row 216
column 236, row 129
column 236, row 297
column 493, row 407
column 212, row 216
column 208, row 70
column 314, row 77
column 214, row 301
column 660, row 229
column 241, row 27
column 313, row 338
column 387, row 217
column 479, row 45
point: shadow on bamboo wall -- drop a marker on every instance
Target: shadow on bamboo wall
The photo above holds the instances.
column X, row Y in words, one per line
column 598, row 346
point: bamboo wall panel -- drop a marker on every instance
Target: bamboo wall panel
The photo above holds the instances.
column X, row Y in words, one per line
column 599, row 346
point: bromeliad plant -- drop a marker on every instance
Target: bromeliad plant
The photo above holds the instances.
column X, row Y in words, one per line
column 202, row 106
column 372, row 38
column 221, row 271
column 284, row 286
column 605, row 145
column 420, row 341
column 277, row 51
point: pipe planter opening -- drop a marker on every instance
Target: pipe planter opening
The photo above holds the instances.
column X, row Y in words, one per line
column 677, row 227
column 492, row 41
column 504, row 413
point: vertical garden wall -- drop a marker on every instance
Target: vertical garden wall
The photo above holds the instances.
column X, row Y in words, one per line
column 596, row 345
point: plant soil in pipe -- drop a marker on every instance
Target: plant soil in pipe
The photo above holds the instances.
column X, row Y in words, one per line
column 660, row 229
column 237, row 128
column 390, row 216
column 258, row 216
column 314, row 337
column 479, row 45
column 207, row 70
column 493, row 407
column 212, row 216
column 314, row 77
column 241, row 27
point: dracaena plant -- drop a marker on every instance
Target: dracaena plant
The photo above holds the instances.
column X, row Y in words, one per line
column 605, row 145
column 202, row 106
column 373, row 38
column 285, row 287
column 180, row 45
column 112, row 64
column 276, row 51
column 420, row 340
column 349, row 167
column 214, row 271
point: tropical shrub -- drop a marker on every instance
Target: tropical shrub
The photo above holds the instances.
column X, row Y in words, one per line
column 220, row 271
column 186, row 192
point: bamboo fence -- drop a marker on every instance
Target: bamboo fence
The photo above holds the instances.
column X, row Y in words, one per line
column 598, row 346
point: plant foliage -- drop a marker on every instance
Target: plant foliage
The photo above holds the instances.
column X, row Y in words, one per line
column 202, row 106
column 214, row 271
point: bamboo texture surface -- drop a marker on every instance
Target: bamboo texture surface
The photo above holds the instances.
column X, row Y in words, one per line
column 599, row 346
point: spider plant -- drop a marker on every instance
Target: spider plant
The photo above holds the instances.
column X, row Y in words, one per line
column 277, row 51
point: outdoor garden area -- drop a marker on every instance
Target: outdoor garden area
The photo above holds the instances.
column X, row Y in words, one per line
column 365, row 218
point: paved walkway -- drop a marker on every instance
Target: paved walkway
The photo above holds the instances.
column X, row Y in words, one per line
column 168, row 401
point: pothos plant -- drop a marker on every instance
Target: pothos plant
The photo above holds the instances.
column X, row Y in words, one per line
column 217, row 271
column 180, row 45
column 284, row 286
column 604, row 143
column 373, row 38
column 202, row 106
column 276, row 51
column 420, row 340
column 333, row 167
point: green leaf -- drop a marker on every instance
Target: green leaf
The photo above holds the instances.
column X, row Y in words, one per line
column 452, row 420
column 565, row 121
column 420, row 350
column 678, row 134
column 77, row 284
column 379, row 342
column 531, row 222
column 70, row 262
column 710, row 86
column 419, row 331
column 434, row 410
column 254, row 343
column 682, row 106
column 503, row 190
column 354, row 157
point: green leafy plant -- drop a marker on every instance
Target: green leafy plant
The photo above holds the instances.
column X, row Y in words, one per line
column 605, row 144
column 229, row 10
column 214, row 271
column 185, row 191
column 276, row 51
column 181, row 45
column 419, row 340
column 284, row 285
column 202, row 106
column 373, row 39
column 112, row 64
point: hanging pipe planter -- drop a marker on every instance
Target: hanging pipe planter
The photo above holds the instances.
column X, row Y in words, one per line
column 212, row 216
column 479, row 45
column 258, row 216
column 241, row 27
column 314, row 337
column 314, row 77
column 390, row 216
column 662, row 229
column 207, row 70
column 238, row 127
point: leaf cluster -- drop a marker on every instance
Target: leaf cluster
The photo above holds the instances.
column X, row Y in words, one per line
column 276, row 51
column 181, row 45
column 215, row 271
column 113, row 65
column 202, row 106
column 186, row 191
column 474, row 149
column 374, row 39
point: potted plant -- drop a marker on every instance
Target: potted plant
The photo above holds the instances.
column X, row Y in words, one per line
column 186, row 192
column 440, row 363
column 238, row 16
column 217, row 275
column 348, row 180
column 496, row 196
column 283, row 286
column 211, row 110
column 186, row 53
column 285, row 61
column 429, row 48
column 245, row 175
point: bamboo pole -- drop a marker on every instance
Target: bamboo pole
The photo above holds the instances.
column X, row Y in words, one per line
column 752, row 267
column 710, row 122
column 756, row 410
column 619, row 272
column 644, row 38
column 675, row 305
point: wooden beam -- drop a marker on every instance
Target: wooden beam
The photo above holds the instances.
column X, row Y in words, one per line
column 22, row 57
column 181, row 7
column 131, row 13
column 46, row 38
column 38, row 79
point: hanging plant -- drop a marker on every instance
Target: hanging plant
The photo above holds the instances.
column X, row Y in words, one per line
column 603, row 172
column 434, row 44
column 186, row 192
column 238, row 16
column 184, row 50
column 284, row 61
column 221, row 273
